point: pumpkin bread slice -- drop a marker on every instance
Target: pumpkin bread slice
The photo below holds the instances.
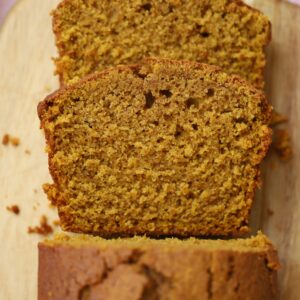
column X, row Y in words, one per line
column 158, row 148
column 92, row 35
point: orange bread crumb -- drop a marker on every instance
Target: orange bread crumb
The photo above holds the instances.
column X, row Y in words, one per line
column 44, row 228
column 14, row 209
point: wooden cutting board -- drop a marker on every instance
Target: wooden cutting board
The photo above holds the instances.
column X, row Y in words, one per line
column 26, row 76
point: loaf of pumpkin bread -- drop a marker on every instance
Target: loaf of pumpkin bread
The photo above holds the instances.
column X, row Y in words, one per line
column 158, row 148
column 90, row 268
column 92, row 35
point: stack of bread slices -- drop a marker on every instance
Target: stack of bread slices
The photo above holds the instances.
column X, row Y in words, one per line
column 155, row 141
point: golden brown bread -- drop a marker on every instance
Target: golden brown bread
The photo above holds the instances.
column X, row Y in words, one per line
column 92, row 35
column 160, row 148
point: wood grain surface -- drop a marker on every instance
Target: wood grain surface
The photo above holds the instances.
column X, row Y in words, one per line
column 26, row 76
column 281, row 190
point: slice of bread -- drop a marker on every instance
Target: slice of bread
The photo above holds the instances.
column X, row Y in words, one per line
column 159, row 148
column 90, row 268
column 92, row 35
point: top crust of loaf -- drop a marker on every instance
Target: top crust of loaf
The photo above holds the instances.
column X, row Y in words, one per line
column 157, row 269
column 257, row 243
column 225, row 79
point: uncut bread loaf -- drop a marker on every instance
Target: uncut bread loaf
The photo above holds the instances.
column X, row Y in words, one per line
column 159, row 148
column 92, row 35
column 90, row 268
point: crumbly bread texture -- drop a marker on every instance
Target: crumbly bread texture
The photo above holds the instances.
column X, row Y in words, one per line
column 160, row 148
column 90, row 268
column 92, row 35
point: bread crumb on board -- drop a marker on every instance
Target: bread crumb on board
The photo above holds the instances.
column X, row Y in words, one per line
column 27, row 152
column 43, row 228
column 15, row 141
column 281, row 139
column 14, row 209
column 8, row 139
column 5, row 139
column 56, row 222
column 282, row 144
column 278, row 118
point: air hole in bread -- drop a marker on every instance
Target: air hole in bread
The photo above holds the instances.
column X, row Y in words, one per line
column 166, row 93
column 195, row 126
column 192, row 102
column 204, row 34
column 178, row 131
column 146, row 6
column 190, row 195
column 150, row 99
column 210, row 92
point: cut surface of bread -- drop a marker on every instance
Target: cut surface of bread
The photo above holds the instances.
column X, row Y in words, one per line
column 159, row 148
column 90, row 268
column 92, row 35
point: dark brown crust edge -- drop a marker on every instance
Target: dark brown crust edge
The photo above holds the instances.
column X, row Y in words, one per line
column 65, row 272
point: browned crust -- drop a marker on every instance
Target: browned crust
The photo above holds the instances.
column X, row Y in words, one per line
column 57, row 31
column 67, row 272
column 231, row 80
